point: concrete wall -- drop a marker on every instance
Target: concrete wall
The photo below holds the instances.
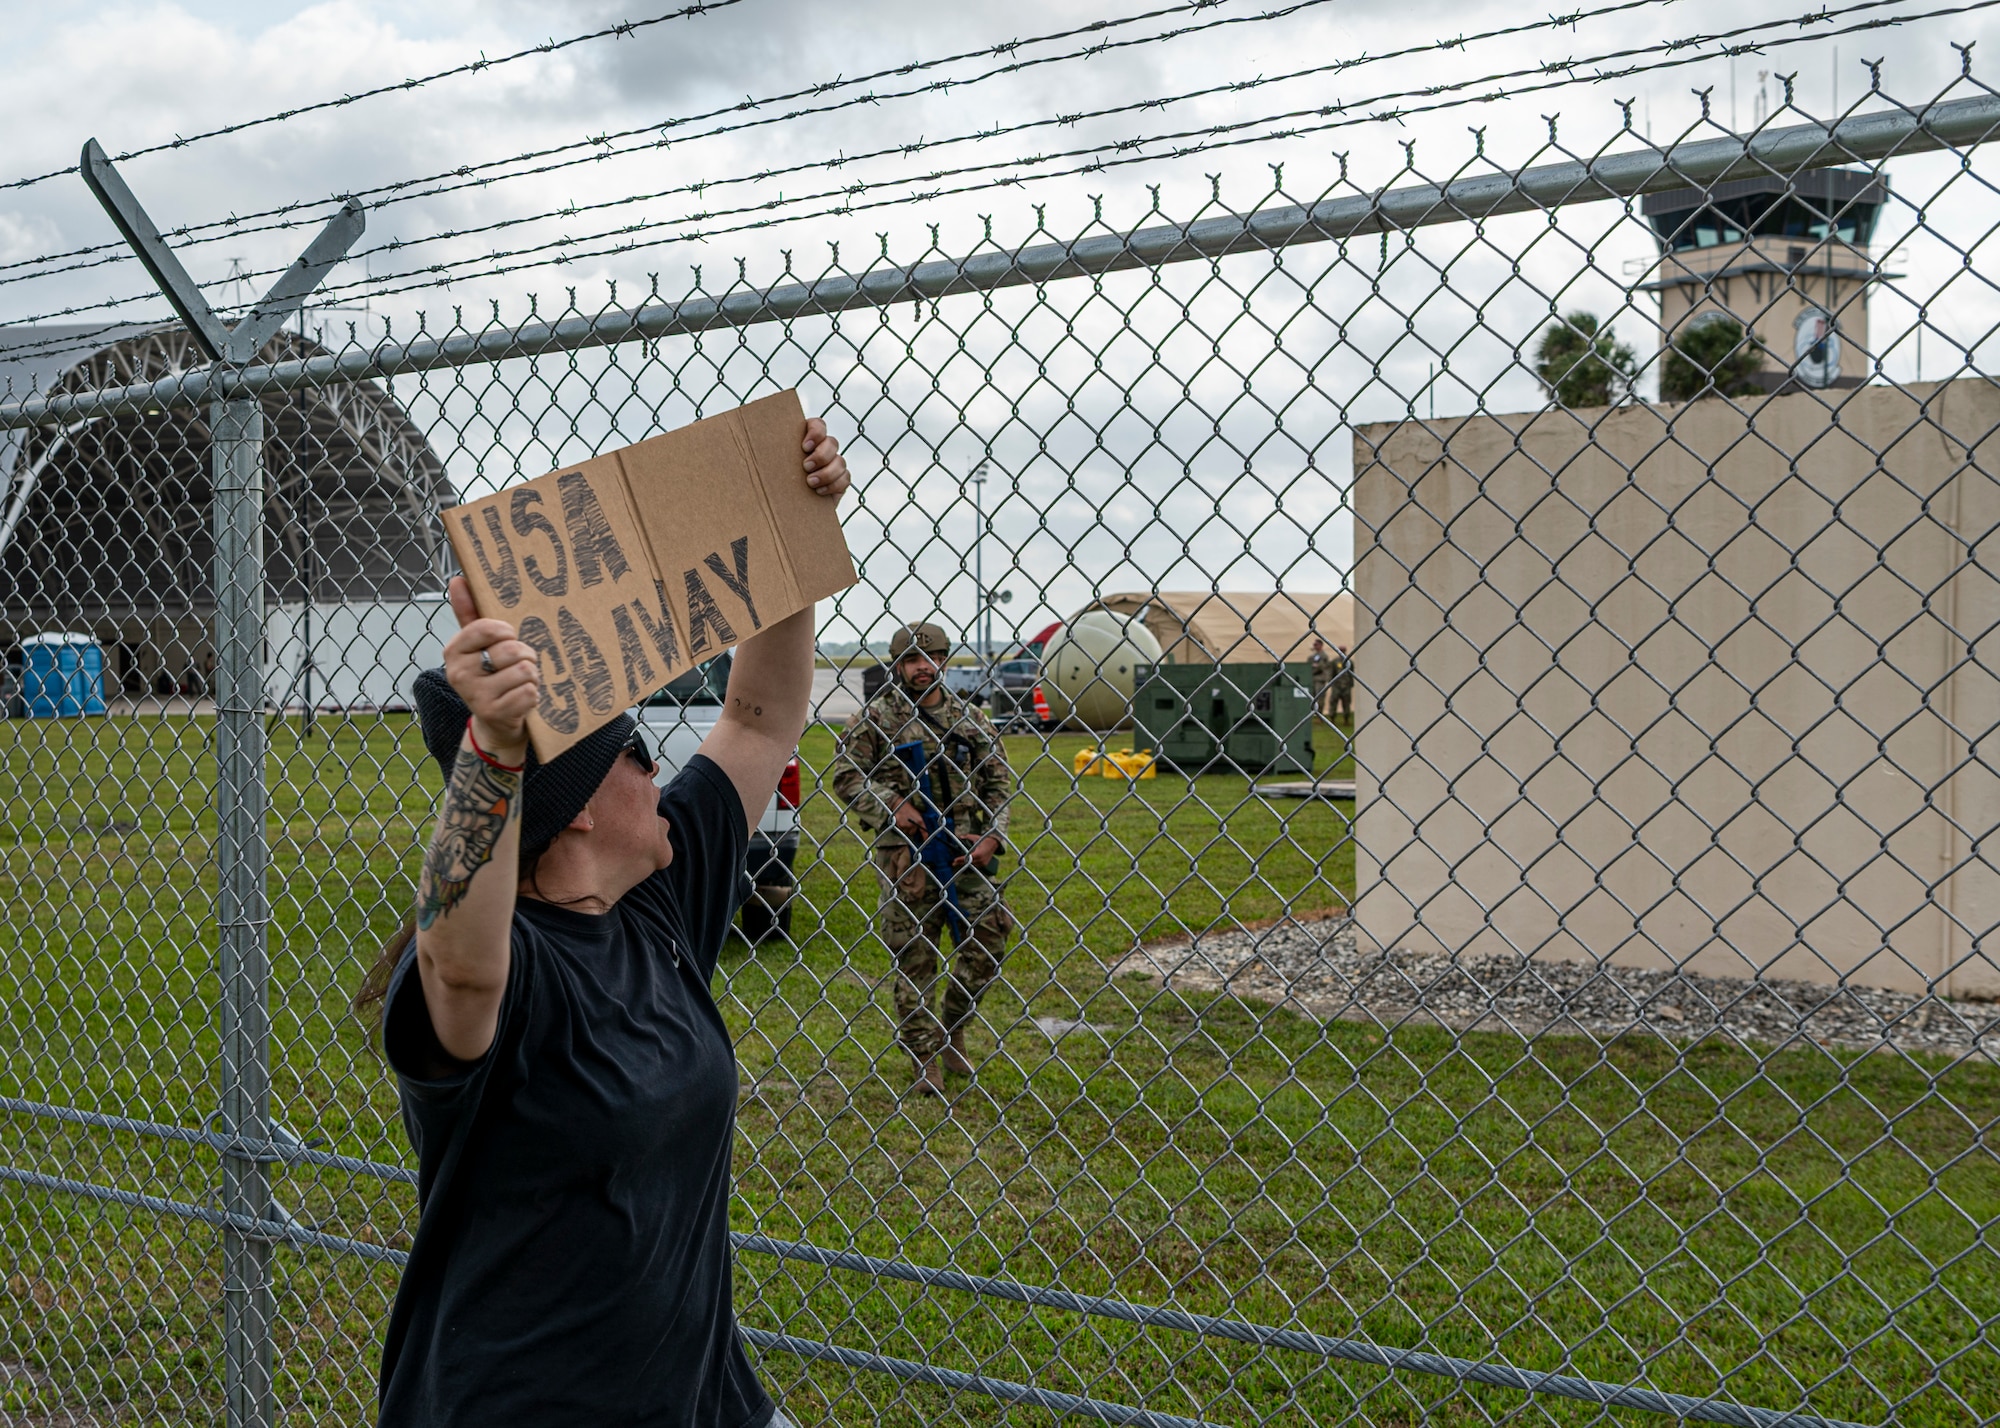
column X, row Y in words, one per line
column 1711, row 685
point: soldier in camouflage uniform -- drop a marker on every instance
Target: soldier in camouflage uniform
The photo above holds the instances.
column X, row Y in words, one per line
column 1322, row 676
column 972, row 785
column 1342, row 684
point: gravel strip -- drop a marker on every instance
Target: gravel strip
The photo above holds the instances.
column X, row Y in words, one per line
column 1315, row 967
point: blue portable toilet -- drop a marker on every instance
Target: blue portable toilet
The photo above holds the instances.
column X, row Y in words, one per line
column 62, row 676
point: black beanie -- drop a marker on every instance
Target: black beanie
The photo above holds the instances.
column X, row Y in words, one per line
column 552, row 794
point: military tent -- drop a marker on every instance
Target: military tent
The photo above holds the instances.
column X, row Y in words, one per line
column 1237, row 627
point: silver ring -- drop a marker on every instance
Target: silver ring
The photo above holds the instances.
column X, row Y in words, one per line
column 486, row 660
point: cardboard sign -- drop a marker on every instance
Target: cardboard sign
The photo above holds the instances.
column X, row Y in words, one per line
column 629, row 568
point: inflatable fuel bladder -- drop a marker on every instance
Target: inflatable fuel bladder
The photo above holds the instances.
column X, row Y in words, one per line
column 1087, row 669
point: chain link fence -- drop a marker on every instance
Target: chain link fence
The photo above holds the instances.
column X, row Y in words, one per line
column 1594, row 1021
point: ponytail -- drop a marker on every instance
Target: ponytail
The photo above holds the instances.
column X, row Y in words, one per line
column 370, row 996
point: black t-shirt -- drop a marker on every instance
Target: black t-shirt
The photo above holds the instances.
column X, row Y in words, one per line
column 571, row 1262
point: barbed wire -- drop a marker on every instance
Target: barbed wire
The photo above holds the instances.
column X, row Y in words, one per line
column 232, row 226
column 547, row 47
column 82, row 336
column 433, row 272
column 1062, row 120
column 1335, row 66
column 999, row 131
column 891, row 151
column 444, row 273
column 84, row 340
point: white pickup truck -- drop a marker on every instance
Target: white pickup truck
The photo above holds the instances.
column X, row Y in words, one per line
column 676, row 720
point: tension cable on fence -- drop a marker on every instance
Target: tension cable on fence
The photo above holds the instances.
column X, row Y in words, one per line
column 1363, row 1351
column 1352, row 1350
column 1194, row 141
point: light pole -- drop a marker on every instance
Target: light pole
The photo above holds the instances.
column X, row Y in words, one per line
column 981, row 615
column 994, row 597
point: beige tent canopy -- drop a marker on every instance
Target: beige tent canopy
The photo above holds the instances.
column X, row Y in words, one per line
column 1237, row 627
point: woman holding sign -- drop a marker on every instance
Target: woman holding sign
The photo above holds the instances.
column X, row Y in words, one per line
column 566, row 1079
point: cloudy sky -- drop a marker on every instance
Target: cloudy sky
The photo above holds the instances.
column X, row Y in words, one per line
column 1126, row 445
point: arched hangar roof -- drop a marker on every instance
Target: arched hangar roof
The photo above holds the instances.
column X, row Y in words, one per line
column 109, row 517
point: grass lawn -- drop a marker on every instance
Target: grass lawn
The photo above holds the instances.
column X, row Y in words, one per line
column 1805, row 1225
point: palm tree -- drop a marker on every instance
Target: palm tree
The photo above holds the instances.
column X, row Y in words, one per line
column 1711, row 357
column 1581, row 364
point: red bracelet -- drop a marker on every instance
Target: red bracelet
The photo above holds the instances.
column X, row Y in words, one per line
column 485, row 757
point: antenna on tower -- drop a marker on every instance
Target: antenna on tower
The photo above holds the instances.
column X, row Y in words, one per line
column 240, row 291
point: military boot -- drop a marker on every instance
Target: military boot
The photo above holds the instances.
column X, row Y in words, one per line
column 930, row 1078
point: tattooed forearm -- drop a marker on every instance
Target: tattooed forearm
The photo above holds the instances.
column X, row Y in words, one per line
column 479, row 802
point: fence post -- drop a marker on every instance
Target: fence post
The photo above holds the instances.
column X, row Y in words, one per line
column 242, row 914
column 242, row 909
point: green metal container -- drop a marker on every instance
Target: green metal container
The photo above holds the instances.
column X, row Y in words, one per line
column 1257, row 717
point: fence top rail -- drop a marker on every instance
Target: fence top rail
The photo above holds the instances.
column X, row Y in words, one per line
column 1629, row 174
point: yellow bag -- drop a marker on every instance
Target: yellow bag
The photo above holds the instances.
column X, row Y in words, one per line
column 1126, row 764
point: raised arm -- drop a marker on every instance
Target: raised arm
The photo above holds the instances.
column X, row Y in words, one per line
column 770, row 681
column 465, row 893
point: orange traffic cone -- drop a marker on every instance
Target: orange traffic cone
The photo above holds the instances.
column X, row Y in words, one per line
column 1042, row 707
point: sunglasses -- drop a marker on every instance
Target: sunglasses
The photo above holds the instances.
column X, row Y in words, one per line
column 641, row 755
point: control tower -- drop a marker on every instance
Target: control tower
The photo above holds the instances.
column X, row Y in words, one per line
column 1786, row 258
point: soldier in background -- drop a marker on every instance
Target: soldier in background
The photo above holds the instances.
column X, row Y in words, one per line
column 1322, row 675
column 1342, row 685
column 935, row 873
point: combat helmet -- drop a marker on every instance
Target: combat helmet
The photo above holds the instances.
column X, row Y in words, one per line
column 921, row 635
column 917, row 635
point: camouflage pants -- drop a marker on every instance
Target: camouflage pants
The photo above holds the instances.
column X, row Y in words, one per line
column 911, row 918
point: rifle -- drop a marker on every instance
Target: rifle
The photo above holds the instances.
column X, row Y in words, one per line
column 942, row 847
